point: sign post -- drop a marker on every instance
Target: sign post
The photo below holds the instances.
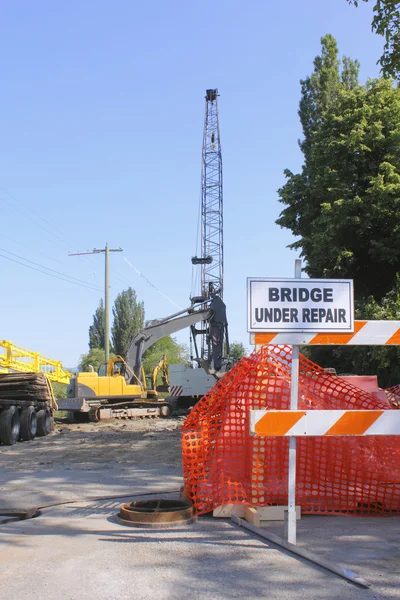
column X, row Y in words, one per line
column 294, row 395
column 299, row 307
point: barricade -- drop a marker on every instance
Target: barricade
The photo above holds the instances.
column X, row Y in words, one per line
column 224, row 464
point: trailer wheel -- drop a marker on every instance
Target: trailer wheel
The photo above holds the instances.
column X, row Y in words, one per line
column 28, row 423
column 9, row 426
column 43, row 422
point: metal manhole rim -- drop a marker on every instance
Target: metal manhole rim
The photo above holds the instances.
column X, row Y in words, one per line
column 156, row 513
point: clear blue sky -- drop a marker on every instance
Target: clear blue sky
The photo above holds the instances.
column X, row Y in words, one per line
column 102, row 117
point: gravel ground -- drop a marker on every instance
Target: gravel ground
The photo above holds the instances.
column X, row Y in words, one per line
column 81, row 551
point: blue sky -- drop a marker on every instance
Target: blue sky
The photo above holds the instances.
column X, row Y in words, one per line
column 102, row 117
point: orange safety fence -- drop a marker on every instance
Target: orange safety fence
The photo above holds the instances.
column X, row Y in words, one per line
column 393, row 395
column 224, row 464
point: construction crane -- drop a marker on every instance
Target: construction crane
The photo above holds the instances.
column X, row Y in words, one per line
column 212, row 245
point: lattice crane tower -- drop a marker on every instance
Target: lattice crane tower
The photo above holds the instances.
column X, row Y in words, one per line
column 212, row 259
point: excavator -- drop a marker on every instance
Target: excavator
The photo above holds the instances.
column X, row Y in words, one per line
column 120, row 388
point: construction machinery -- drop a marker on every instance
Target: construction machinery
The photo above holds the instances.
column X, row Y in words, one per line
column 189, row 383
column 120, row 389
column 26, row 406
column 27, row 401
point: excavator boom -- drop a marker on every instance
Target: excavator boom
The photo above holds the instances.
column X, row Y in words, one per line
column 155, row 331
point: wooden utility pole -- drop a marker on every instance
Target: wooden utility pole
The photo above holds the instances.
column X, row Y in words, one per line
column 106, row 251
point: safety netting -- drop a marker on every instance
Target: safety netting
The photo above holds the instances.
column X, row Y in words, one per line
column 224, row 464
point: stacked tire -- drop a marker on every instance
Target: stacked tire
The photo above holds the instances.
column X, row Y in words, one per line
column 24, row 424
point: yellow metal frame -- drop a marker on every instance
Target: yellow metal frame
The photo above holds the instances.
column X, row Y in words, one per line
column 17, row 358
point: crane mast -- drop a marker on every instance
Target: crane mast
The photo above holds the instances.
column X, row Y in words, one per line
column 212, row 270
column 212, row 247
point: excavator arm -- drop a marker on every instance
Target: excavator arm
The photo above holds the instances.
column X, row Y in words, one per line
column 163, row 366
column 214, row 314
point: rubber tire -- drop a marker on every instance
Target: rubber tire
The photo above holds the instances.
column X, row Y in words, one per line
column 81, row 417
column 166, row 411
column 28, row 424
column 43, row 422
column 9, row 426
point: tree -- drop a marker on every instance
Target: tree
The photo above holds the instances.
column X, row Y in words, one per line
column 237, row 351
column 96, row 331
column 344, row 205
column 128, row 320
column 383, row 361
column 59, row 390
column 176, row 353
column 386, row 22
column 94, row 358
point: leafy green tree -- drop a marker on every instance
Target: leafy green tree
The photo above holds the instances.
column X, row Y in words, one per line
column 383, row 361
column 94, row 358
column 237, row 351
column 96, row 331
column 344, row 205
column 59, row 389
column 128, row 320
column 386, row 22
column 176, row 353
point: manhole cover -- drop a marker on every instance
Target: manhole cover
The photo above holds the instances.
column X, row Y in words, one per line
column 19, row 514
column 156, row 513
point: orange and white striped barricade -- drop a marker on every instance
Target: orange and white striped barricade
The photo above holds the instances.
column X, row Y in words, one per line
column 278, row 423
column 366, row 333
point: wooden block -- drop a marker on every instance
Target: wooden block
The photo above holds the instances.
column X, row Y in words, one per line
column 257, row 514
column 252, row 516
column 227, row 510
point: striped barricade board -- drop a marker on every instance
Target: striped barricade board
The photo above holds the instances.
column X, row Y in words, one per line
column 271, row 423
column 366, row 333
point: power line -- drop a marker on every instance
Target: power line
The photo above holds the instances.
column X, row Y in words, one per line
column 151, row 284
column 38, row 225
column 35, row 223
column 30, row 210
column 53, row 273
column 30, row 249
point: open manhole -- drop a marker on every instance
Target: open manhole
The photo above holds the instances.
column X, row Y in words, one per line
column 158, row 513
column 8, row 515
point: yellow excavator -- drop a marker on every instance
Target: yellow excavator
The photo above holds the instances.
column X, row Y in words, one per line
column 120, row 389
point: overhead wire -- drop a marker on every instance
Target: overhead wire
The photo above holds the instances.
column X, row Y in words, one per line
column 198, row 250
column 30, row 248
column 151, row 284
column 46, row 270
column 35, row 222
column 13, row 216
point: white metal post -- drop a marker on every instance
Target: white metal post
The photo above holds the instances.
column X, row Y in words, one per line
column 294, row 394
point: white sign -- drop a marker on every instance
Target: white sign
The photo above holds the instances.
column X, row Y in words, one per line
column 307, row 305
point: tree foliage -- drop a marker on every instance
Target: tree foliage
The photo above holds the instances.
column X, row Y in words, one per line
column 383, row 361
column 176, row 353
column 94, row 358
column 344, row 205
column 96, row 331
column 59, row 390
column 386, row 22
column 128, row 315
column 237, row 351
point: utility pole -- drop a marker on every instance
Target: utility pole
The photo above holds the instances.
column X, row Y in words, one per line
column 106, row 251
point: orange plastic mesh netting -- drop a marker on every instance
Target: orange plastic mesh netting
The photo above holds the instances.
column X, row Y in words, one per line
column 224, row 464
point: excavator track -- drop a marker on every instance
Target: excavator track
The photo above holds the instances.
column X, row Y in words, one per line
column 122, row 411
